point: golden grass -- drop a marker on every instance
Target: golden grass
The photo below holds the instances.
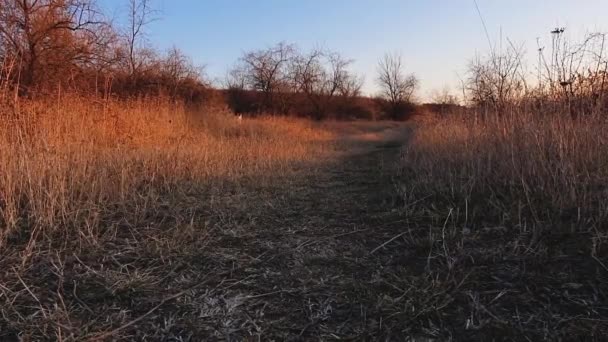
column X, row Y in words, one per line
column 70, row 163
column 545, row 167
column 515, row 205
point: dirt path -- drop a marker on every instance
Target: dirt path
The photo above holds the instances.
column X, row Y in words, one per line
column 302, row 259
column 330, row 253
column 334, row 255
column 311, row 267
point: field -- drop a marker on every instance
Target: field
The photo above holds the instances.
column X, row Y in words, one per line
column 152, row 221
column 515, row 216
column 213, row 171
column 98, row 203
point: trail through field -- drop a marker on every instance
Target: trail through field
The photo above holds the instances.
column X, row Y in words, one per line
column 313, row 265
column 337, row 250
column 310, row 256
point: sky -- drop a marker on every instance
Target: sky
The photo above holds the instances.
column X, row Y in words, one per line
column 436, row 38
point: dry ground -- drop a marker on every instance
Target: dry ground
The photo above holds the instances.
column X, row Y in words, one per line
column 283, row 259
column 329, row 253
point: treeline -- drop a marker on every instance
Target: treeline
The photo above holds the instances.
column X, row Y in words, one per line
column 50, row 47
column 47, row 46
column 282, row 79
column 317, row 83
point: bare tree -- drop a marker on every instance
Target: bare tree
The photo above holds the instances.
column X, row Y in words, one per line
column 47, row 34
column 309, row 78
column 178, row 70
column 444, row 97
column 397, row 87
column 266, row 71
column 140, row 15
column 322, row 75
column 497, row 80
column 351, row 86
column 235, row 78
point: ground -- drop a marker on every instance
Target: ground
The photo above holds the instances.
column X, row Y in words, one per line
column 328, row 254
column 306, row 265
column 307, row 268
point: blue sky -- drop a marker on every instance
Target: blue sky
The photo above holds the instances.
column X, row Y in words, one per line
column 436, row 38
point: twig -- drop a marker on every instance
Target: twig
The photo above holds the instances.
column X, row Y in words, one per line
column 387, row 242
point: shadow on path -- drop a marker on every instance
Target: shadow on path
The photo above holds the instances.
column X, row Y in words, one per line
column 310, row 266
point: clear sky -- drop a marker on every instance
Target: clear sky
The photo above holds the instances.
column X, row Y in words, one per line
column 437, row 38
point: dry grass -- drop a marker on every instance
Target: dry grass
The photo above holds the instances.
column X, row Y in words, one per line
column 516, row 210
column 520, row 169
column 65, row 164
column 101, row 201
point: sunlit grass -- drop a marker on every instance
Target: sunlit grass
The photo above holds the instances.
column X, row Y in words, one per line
column 69, row 163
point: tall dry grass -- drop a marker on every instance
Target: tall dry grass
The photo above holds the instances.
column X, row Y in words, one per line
column 69, row 165
column 518, row 169
column 511, row 215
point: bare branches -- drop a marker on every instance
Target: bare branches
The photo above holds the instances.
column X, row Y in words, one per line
column 140, row 15
column 396, row 86
column 320, row 75
column 266, row 70
column 51, row 44
column 570, row 79
column 47, row 34
column 283, row 72
column 496, row 80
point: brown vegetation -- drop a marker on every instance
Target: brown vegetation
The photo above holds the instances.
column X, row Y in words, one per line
column 284, row 80
column 514, row 192
column 134, row 204
column 51, row 46
column 85, row 180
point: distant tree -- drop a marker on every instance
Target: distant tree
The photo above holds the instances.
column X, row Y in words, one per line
column 351, row 86
column 444, row 97
column 140, row 15
column 179, row 72
column 342, row 82
column 495, row 81
column 235, row 78
column 397, row 87
column 321, row 76
column 266, row 71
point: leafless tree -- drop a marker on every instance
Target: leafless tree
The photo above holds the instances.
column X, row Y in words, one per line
column 396, row 86
column 322, row 75
column 140, row 15
column 235, row 78
column 178, row 70
column 47, row 34
column 444, row 97
column 497, row 80
column 351, row 86
column 266, row 70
